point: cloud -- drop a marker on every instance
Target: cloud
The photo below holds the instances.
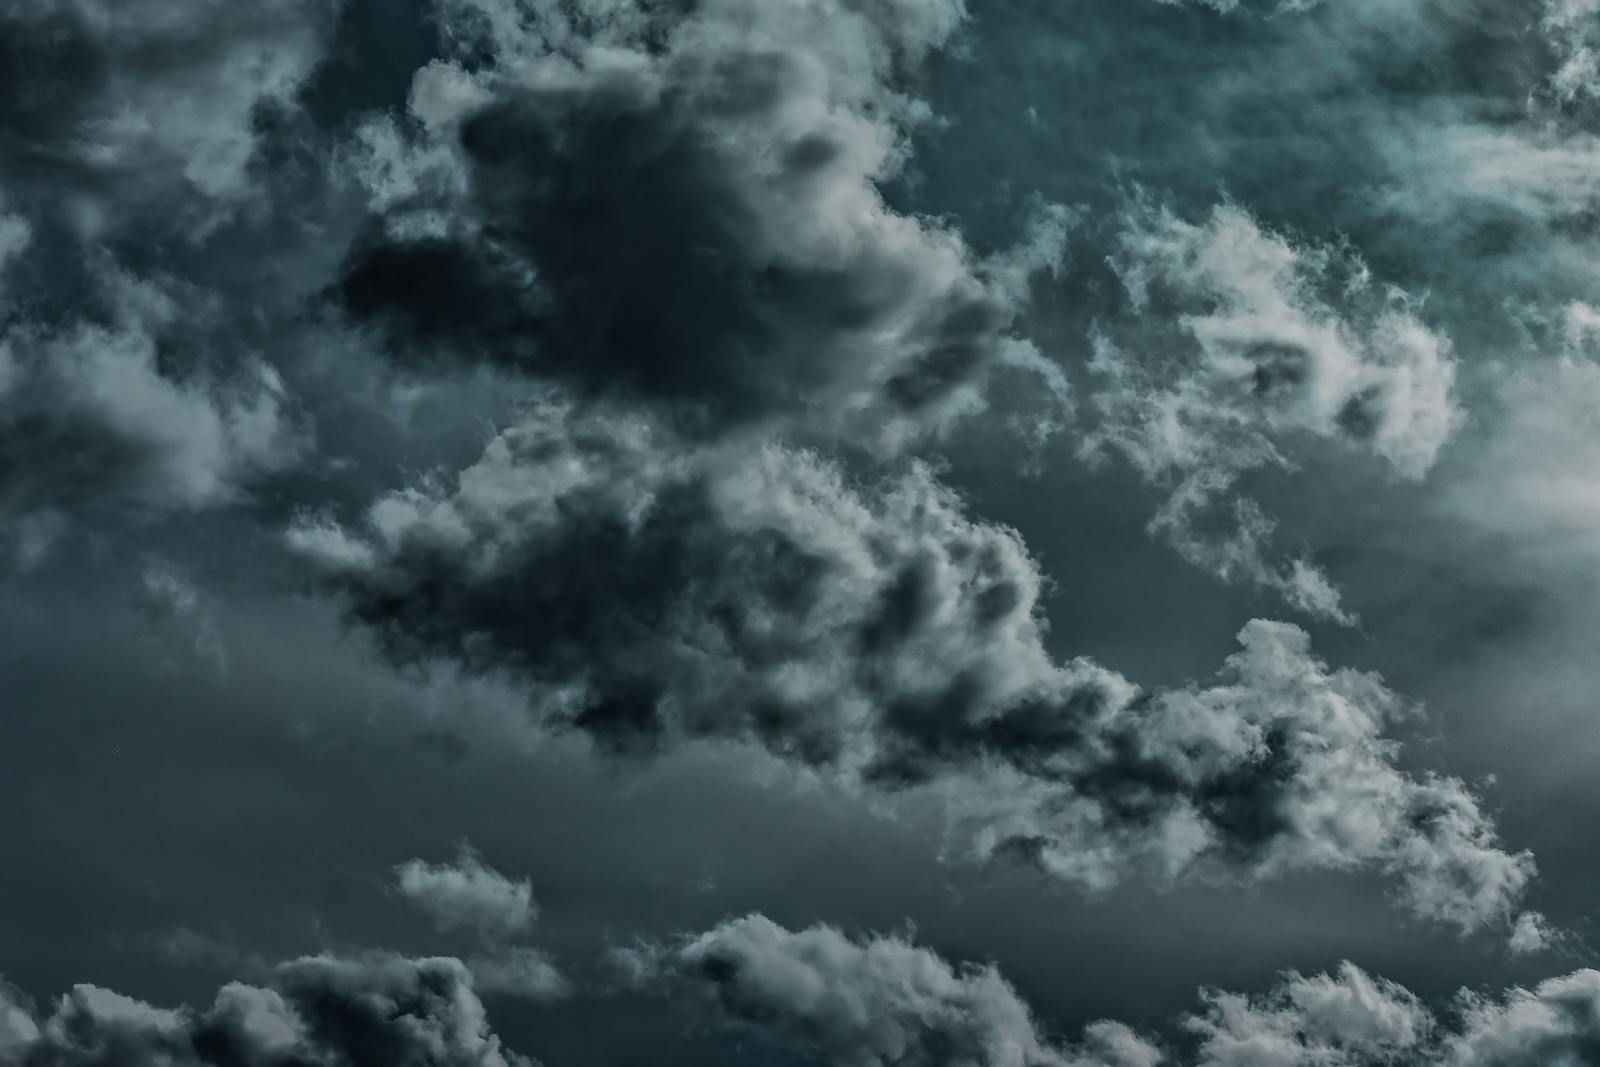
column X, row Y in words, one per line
column 881, row 1000
column 1345, row 1018
column 181, row 614
column 1236, row 342
column 1531, row 933
column 146, row 103
column 1531, row 474
column 873, row 1002
column 519, row 972
column 131, row 137
column 1228, row 7
column 321, row 1009
column 686, row 208
column 18, row 1030
column 1351, row 1019
column 868, row 1001
column 88, row 415
column 467, row 894
column 1572, row 28
column 1554, row 1023
column 648, row 592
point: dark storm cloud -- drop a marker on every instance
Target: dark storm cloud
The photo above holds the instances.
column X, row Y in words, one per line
column 880, row 1000
column 862, row 1001
column 323, row 1010
column 679, row 235
column 131, row 176
column 647, row 592
column 685, row 207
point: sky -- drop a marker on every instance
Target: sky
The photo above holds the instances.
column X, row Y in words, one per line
column 843, row 533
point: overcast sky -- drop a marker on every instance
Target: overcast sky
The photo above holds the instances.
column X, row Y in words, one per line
column 1043, row 533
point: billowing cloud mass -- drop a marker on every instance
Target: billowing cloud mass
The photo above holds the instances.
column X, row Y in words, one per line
column 1344, row 1018
column 1351, row 1018
column 1533, row 475
column 882, row 1000
column 323, row 1010
column 648, row 592
column 685, row 208
column 1239, row 341
column 671, row 370
column 130, row 139
column 867, row 1001
column 874, row 1002
column 468, row 894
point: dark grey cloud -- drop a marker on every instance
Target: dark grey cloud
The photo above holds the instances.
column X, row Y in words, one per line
column 133, row 145
column 646, row 593
column 324, row 1010
column 88, row 416
column 818, row 994
column 685, row 207
column 699, row 276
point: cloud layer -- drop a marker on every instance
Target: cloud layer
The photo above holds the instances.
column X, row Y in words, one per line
column 877, row 1001
column 650, row 593
column 318, row 1010
column 685, row 209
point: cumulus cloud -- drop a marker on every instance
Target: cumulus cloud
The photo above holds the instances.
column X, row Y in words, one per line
column 685, row 207
column 865, row 1001
column 1353, row 1019
column 321, row 1009
column 648, row 592
column 130, row 136
column 873, row 1002
column 1237, row 341
column 468, row 894
column 880, row 1000
column 146, row 103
